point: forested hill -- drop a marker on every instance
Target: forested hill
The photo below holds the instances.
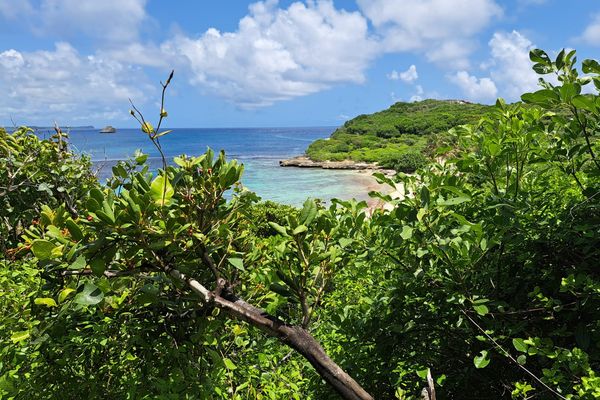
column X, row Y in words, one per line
column 399, row 136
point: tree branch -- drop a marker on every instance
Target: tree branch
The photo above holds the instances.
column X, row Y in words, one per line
column 296, row 337
column 107, row 273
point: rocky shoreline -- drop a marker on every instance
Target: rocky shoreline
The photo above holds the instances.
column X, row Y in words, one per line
column 305, row 162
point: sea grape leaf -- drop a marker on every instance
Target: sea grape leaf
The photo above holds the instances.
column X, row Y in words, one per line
column 89, row 296
column 308, row 213
column 42, row 249
column 482, row 360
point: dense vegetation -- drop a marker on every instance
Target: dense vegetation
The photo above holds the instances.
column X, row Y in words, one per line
column 485, row 274
column 401, row 137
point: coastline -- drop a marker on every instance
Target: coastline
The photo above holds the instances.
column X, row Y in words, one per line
column 363, row 177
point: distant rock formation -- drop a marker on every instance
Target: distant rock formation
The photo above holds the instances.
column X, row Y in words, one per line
column 305, row 162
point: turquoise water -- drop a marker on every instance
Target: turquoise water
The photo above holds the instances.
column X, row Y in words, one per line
column 260, row 149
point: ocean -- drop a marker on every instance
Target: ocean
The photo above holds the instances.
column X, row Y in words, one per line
column 259, row 149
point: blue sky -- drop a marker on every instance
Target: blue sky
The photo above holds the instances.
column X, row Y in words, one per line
column 271, row 63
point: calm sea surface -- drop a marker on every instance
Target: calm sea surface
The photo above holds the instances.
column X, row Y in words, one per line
column 260, row 149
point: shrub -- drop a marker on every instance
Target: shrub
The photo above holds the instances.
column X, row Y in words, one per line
column 405, row 162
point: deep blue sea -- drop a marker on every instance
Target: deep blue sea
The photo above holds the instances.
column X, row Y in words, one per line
column 260, row 149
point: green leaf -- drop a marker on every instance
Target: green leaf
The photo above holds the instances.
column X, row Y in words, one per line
column 97, row 195
column 544, row 97
column 163, row 133
column 44, row 187
column 74, row 230
column 158, row 185
column 19, row 336
column 98, row 266
column 590, row 66
column 229, row 364
column 147, row 128
column 140, row 157
column 406, row 233
column 422, row 373
column 45, row 301
column 237, row 263
column 482, row 360
column 569, row 90
column 585, row 102
column 64, row 294
column 481, row 309
column 344, row 242
column 89, row 296
column 78, row 264
column 309, row 212
column 522, row 359
column 454, row 201
column 280, row 229
column 539, row 56
column 43, row 249
column 300, row 229
column 520, row 345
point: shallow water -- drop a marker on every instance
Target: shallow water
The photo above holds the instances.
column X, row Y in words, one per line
column 260, row 149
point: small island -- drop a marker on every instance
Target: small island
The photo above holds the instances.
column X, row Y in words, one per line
column 108, row 129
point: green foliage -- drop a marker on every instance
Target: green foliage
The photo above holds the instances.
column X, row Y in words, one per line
column 489, row 265
column 261, row 214
column 405, row 162
column 420, row 118
column 35, row 172
column 394, row 136
column 484, row 273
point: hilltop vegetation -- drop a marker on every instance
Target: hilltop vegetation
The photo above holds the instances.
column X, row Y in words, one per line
column 401, row 137
column 156, row 286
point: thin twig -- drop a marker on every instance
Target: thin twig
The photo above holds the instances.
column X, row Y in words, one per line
column 507, row 354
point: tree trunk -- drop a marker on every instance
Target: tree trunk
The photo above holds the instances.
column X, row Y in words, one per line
column 297, row 338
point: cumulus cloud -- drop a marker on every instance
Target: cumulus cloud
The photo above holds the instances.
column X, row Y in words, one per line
column 408, row 76
column 107, row 20
column 443, row 29
column 511, row 67
column 591, row 34
column 277, row 54
column 61, row 84
column 478, row 89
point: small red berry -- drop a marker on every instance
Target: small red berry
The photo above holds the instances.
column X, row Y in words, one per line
column 90, row 218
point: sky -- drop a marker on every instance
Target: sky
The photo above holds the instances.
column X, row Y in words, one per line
column 271, row 63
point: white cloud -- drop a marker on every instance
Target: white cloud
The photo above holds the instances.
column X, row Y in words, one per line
column 277, row 54
column 12, row 9
column 43, row 86
column 478, row 89
column 418, row 96
column 107, row 20
column 408, row 76
column 114, row 20
column 452, row 53
column 441, row 28
column 511, row 67
column 591, row 34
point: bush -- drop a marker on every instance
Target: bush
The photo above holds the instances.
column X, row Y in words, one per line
column 35, row 172
column 405, row 162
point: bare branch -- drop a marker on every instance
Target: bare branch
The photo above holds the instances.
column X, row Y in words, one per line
column 107, row 273
column 296, row 337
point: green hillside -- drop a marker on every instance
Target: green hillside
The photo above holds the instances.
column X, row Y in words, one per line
column 399, row 137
